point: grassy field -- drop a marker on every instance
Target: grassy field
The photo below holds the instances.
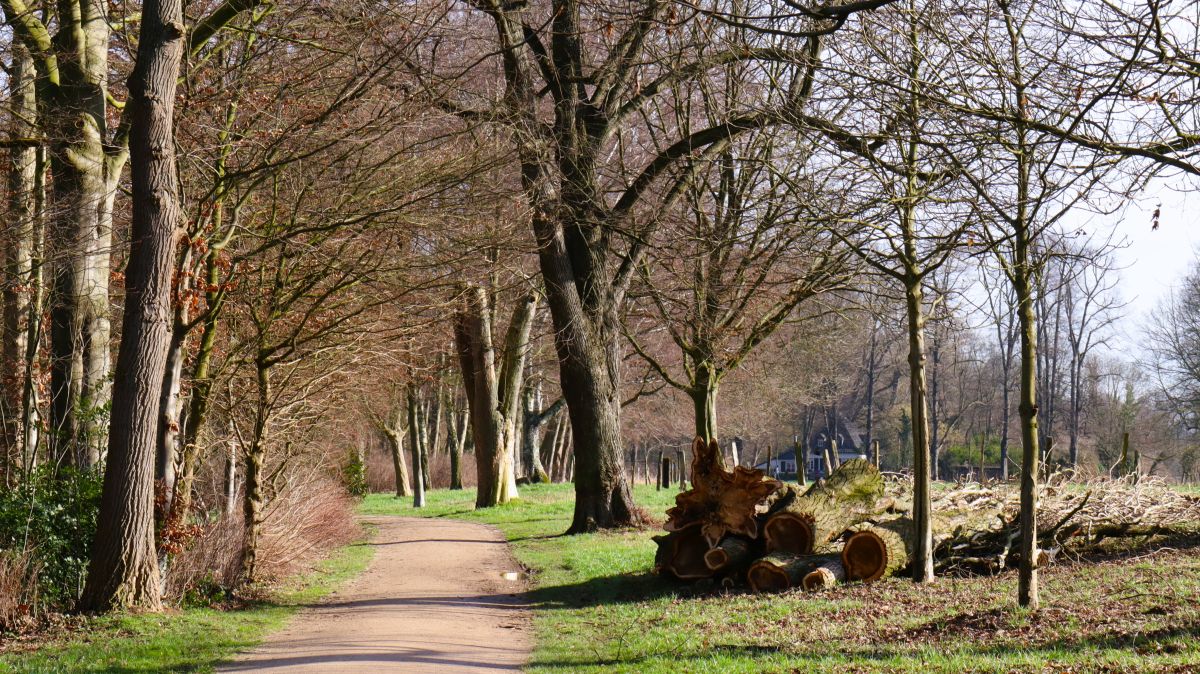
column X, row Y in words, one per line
column 597, row 609
column 185, row 640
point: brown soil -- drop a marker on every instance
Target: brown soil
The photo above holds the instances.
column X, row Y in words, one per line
column 433, row 600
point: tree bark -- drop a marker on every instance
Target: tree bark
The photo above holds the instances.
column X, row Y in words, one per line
column 395, row 439
column 21, row 289
column 918, row 400
column 415, row 431
column 1027, row 580
column 492, row 397
column 254, row 495
column 460, row 428
column 124, row 571
column 704, row 402
column 533, row 422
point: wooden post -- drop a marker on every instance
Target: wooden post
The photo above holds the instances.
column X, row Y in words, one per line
column 982, row 475
column 802, row 462
column 1125, row 453
column 875, row 452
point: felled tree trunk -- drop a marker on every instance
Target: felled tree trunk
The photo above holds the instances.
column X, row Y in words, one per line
column 782, row 571
column 682, row 554
column 723, row 502
column 733, row 552
column 826, row 575
column 807, row 523
column 878, row 550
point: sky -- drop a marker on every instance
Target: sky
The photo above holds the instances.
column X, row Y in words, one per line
column 1154, row 260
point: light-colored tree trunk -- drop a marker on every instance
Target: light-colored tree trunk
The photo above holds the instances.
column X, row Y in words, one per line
column 20, row 251
column 460, row 429
column 231, row 489
column 416, row 429
column 395, row 437
column 493, row 397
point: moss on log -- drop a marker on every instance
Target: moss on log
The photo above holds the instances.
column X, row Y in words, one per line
column 804, row 524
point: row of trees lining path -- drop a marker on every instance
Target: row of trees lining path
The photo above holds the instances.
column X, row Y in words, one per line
column 578, row 84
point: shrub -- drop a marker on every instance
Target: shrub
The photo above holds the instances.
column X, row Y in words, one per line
column 354, row 475
column 303, row 523
column 50, row 520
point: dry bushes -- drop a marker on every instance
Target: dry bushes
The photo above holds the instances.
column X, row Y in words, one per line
column 305, row 521
column 381, row 475
column 18, row 589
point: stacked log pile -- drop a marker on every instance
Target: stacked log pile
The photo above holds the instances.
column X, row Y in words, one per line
column 741, row 526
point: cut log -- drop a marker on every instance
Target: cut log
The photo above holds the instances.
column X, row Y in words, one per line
column 681, row 554
column 808, row 523
column 731, row 553
column 824, row 576
column 782, row 571
column 875, row 551
column 722, row 502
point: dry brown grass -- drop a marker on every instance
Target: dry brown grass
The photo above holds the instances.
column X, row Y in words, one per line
column 381, row 475
column 18, row 589
column 305, row 521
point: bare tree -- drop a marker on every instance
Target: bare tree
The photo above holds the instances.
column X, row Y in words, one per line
column 493, row 395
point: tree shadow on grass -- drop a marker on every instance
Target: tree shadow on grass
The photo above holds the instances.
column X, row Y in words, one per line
column 609, row 590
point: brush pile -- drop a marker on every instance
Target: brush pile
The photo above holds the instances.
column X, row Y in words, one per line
column 740, row 526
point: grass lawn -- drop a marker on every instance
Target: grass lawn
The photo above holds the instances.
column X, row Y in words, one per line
column 184, row 640
column 597, row 608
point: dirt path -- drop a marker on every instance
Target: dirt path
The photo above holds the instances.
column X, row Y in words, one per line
column 433, row 600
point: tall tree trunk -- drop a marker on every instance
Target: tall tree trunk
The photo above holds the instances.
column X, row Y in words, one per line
column 460, row 428
column 30, row 397
column 415, row 432
column 918, row 399
column 20, row 272
column 1027, row 582
column 124, row 570
column 492, row 397
column 254, row 496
